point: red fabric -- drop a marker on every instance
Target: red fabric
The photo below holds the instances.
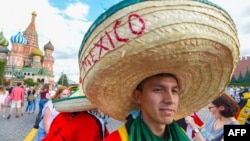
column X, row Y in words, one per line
column 17, row 94
column 115, row 136
column 197, row 120
column 82, row 127
column 43, row 94
column 237, row 115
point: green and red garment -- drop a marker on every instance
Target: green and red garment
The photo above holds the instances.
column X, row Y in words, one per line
column 139, row 131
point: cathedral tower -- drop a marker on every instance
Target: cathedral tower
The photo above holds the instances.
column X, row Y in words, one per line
column 32, row 40
column 48, row 60
column 16, row 56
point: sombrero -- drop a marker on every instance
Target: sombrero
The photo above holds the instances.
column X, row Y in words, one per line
column 75, row 102
column 194, row 39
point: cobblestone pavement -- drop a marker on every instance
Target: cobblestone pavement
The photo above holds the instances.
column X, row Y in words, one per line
column 16, row 129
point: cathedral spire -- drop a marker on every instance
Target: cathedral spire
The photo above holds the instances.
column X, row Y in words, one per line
column 32, row 26
column 30, row 33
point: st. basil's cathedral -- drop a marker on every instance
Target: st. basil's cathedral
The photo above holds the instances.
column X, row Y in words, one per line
column 25, row 59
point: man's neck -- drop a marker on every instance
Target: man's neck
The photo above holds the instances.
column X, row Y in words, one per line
column 157, row 129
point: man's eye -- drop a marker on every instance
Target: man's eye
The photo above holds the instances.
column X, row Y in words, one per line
column 157, row 89
column 175, row 91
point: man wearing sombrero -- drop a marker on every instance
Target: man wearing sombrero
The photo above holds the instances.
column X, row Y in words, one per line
column 142, row 59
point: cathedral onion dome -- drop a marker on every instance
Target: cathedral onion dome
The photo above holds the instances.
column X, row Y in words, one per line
column 37, row 52
column 49, row 46
column 34, row 13
column 18, row 38
column 4, row 50
column 3, row 41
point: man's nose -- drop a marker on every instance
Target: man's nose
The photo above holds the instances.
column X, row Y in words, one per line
column 168, row 97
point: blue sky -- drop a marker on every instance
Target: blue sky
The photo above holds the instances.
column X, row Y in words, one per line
column 64, row 23
column 96, row 6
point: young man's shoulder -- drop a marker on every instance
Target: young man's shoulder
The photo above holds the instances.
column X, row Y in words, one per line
column 17, row 89
column 120, row 134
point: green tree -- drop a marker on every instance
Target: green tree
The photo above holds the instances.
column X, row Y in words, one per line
column 63, row 80
column 233, row 80
column 6, row 82
column 2, row 66
column 30, row 82
column 247, row 76
column 240, row 79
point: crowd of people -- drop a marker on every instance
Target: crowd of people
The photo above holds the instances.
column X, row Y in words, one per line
column 226, row 109
column 17, row 97
column 149, row 69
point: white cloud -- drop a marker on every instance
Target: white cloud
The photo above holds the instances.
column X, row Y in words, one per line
column 77, row 11
column 63, row 28
column 239, row 11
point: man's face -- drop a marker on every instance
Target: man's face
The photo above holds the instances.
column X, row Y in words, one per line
column 158, row 100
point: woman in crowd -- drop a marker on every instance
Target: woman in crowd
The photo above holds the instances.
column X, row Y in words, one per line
column 22, row 102
column 44, row 91
column 223, row 109
column 30, row 99
column 49, row 112
column 36, row 89
column 3, row 95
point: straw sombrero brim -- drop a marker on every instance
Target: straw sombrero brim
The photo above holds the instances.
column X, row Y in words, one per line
column 194, row 40
column 76, row 102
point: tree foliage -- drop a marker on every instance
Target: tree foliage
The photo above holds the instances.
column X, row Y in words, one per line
column 2, row 66
column 6, row 82
column 233, row 80
column 241, row 78
column 30, row 82
column 63, row 80
column 247, row 76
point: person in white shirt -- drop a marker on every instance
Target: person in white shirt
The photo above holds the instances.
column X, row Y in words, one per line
column 49, row 112
column 3, row 95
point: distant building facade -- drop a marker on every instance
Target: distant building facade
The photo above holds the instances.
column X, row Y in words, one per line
column 242, row 67
column 25, row 59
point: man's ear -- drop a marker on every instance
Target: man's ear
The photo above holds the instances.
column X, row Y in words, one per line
column 136, row 95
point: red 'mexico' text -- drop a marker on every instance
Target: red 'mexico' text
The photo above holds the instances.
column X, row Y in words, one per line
column 108, row 40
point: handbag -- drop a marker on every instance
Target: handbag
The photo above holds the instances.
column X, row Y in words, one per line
column 30, row 98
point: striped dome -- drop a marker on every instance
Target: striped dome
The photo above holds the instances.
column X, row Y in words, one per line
column 3, row 41
column 18, row 38
column 37, row 52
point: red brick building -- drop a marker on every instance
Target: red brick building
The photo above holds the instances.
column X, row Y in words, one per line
column 242, row 66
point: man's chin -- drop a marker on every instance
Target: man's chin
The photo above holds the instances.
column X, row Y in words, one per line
column 168, row 120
